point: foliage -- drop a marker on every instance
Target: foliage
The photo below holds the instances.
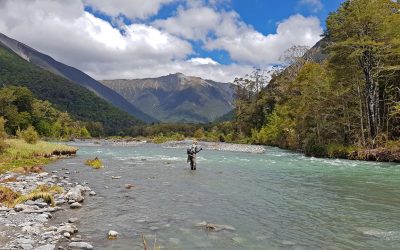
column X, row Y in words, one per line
column 66, row 96
column 22, row 111
column 199, row 133
column 3, row 136
column 338, row 106
column 30, row 135
column 95, row 163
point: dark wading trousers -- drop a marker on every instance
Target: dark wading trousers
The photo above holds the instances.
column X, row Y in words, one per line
column 192, row 160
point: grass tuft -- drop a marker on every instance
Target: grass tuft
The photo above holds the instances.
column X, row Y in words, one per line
column 95, row 163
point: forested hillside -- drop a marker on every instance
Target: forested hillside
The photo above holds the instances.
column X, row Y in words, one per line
column 347, row 105
column 81, row 103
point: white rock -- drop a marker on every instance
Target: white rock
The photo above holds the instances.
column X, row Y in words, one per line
column 112, row 234
column 67, row 235
column 46, row 247
column 68, row 228
column 92, row 193
column 80, row 245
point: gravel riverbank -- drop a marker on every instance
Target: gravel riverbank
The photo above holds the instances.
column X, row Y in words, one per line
column 30, row 225
column 220, row 146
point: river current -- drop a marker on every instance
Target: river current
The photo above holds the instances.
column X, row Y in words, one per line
column 275, row 200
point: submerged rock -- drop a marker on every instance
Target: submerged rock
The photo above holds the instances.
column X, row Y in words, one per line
column 214, row 227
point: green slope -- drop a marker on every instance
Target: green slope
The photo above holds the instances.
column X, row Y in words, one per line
column 81, row 103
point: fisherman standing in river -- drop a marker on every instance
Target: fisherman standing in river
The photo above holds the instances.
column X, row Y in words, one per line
column 192, row 152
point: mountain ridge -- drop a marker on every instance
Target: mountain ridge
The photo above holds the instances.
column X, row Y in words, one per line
column 177, row 97
column 74, row 75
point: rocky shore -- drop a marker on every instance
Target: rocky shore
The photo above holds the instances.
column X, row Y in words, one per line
column 29, row 225
column 220, row 146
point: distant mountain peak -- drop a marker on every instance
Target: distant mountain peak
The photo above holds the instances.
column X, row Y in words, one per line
column 177, row 97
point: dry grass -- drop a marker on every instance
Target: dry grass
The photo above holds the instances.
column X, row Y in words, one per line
column 8, row 196
column 11, row 198
column 22, row 156
column 95, row 163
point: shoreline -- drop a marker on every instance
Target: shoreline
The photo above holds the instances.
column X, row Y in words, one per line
column 377, row 154
column 30, row 225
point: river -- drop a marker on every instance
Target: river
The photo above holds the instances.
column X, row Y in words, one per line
column 275, row 200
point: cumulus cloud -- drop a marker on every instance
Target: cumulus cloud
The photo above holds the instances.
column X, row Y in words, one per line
column 202, row 61
column 131, row 9
column 245, row 44
column 65, row 31
column 242, row 41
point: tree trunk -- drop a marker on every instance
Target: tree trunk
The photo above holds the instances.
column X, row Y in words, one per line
column 372, row 94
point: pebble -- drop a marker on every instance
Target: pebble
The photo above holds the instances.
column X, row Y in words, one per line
column 92, row 193
column 73, row 220
column 112, row 235
column 75, row 205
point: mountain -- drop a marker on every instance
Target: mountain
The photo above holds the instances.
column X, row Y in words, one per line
column 177, row 97
column 74, row 75
column 81, row 103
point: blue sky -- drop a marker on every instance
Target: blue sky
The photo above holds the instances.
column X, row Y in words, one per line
column 214, row 39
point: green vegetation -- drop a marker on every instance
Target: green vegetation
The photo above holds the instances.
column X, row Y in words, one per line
column 345, row 105
column 95, row 163
column 340, row 99
column 21, row 111
column 81, row 103
column 29, row 135
column 21, row 156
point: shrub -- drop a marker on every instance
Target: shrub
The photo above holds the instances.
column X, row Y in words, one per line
column 3, row 135
column 30, row 135
column 199, row 133
column 313, row 148
column 95, row 163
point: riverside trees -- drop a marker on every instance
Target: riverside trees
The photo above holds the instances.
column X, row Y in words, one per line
column 352, row 98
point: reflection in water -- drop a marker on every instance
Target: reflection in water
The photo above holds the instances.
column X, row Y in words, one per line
column 275, row 200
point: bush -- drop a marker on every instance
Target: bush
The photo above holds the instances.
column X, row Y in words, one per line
column 95, row 163
column 335, row 150
column 30, row 135
column 199, row 133
column 3, row 135
column 313, row 148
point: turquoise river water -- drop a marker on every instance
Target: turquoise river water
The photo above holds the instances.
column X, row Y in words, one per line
column 275, row 200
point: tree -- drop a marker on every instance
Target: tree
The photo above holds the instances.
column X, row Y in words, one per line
column 364, row 35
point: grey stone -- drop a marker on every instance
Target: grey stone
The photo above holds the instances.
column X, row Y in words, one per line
column 80, row 245
column 46, row 247
column 73, row 220
column 26, row 246
column 68, row 228
column 75, row 205
column 92, row 193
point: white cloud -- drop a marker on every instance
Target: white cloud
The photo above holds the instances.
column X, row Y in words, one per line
column 202, row 61
column 63, row 30
column 316, row 5
column 245, row 44
column 130, row 8
column 242, row 41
